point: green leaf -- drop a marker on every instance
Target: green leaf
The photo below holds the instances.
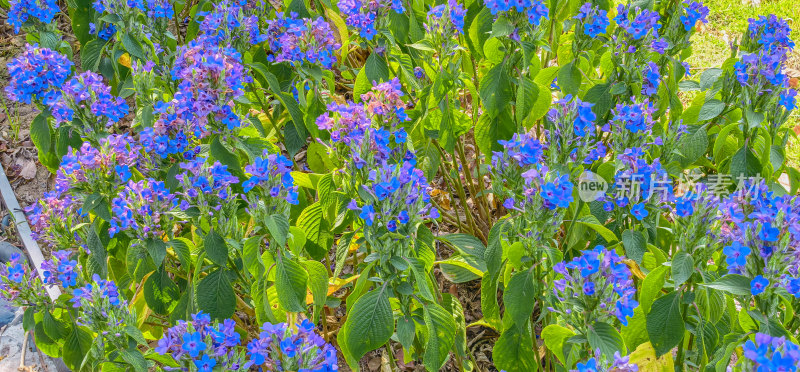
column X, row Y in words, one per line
column 421, row 278
column 138, row 262
column 711, row 109
column 369, row 325
column 54, row 328
column 569, row 78
column 635, row 244
column 651, row 287
column 606, row 338
column 376, row 69
column 157, row 249
column 554, row 337
column 133, row 46
column 135, row 358
column 160, row 292
column 441, row 336
column 495, row 90
column 98, row 251
column 709, row 77
column 40, row 133
column 81, row 13
column 76, row 346
column 290, row 281
column 278, row 226
column 318, row 234
column 318, row 284
column 665, row 323
column 513, row 352
column 519, row 298
column 732, row 283
column 406, row 330
column 91, row 53
column 216, row 248
column 745, row 163
column 602, row 98
column 215, row 295
column 682, row 267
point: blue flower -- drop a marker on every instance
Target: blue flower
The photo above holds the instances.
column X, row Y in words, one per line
column 736, row 255
column 695, row 12
column 787, row 99
column 289, row 347
column 639, row 211
column 368, row 214
column 758, row 285
column 589, row 366
column 193, row 344
column 16, row 273
column 588, row 288
column 768, row 233
column 205, row 364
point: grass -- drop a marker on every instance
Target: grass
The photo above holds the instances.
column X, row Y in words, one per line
column 727, row 20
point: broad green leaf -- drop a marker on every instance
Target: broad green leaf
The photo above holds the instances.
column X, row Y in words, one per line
column 441, row 336
column 682, row 267
column 216, row 248
column 290, row 281
column 554, row 337
column 215, row 296
column 604, row 337
column 495, row 90
column 665, row 323
column 651, row 287
column 369, row 325
column 160, row 292
column 318, row 284
column 732, row 283
column 278, row 226
column 635, row 244
column 520, row 297
column 513, row 352
column 76, row 346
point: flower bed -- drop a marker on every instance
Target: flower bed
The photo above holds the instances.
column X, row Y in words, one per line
column 256, row 185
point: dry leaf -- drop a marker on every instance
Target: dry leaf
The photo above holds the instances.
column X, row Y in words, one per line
column 28, row 171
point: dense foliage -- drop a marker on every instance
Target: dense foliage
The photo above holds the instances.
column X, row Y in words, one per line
column 227, row 174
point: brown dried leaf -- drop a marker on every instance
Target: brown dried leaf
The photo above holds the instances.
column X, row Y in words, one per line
column 28, row 171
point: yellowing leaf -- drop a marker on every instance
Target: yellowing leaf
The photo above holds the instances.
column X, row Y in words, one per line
column 334, row 285
column 645, row 357
column 634, row 268
column 125, row 60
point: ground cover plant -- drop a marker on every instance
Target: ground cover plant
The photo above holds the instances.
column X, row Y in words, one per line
column 299, row 186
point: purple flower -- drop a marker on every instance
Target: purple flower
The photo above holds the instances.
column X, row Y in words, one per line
column 302, row 40
column 595, row 20
column 736, row 256
column 205, row 364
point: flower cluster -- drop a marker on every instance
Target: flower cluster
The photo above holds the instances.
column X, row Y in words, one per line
column 354, row 137
column 105, row 33
column 770, row 354
column 210, row 80
column 53, row 219
column 695, row 11
column 597, row 285
column 301, row 40
column 570, row 131
column 229, row 24
column 644, row 21
column 533, row 10
column 207, row 188
column 283, row 348
column 87, row 95
column 141, row 207
column 36, row 74
column 102, row 309
column 446, row 19
column 651, row 77
column 631, row 126
column 363, row 14
column 761, row 233
column 205, row 345
column 397, row 196
column 168, row 135
column 154, row 9
column 61, row 269
column 594, row 20
column 99, row 170
column 600, row 364
column 21, row 11
column 18, row 284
